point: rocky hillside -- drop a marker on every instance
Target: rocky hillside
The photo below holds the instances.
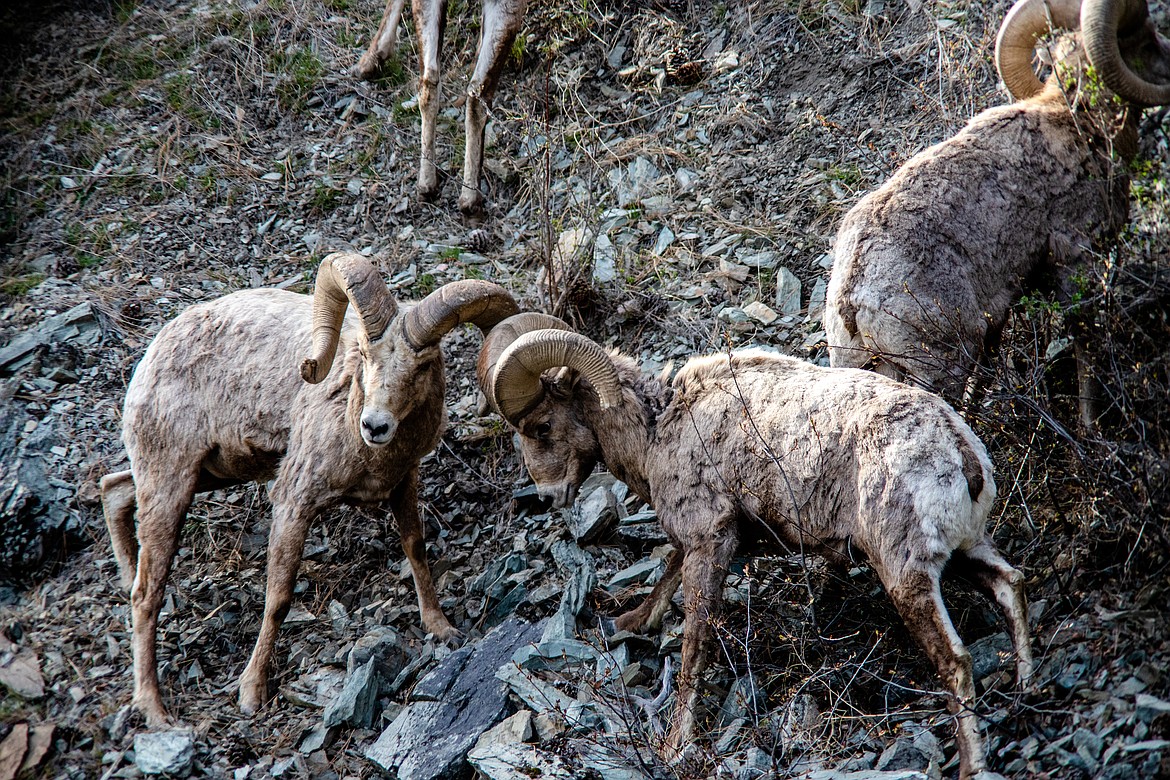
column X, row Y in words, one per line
column 668, row 177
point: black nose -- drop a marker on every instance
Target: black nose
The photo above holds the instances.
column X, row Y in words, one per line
column 375, row 430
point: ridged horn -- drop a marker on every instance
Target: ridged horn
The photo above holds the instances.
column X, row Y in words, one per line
column 516, row 384
column 345, row 279
column 1103, row 23
column 481, row 303
column 1014, row 46
column 501, row 337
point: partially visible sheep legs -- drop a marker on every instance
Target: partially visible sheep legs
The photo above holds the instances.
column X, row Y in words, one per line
column 430, row 17
column 286, row 544
column 919, row 602
column 118, row 505
column 384, row 43
column 649, row 613
column 404, row 504
column 160, row 514
column 501, row 22
column 1006, row 585
column 703, row 570
column 1088, row 385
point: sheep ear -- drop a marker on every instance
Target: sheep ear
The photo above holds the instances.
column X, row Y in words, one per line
column 563, row 383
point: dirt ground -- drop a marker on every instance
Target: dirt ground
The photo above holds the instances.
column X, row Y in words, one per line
column 158, row 153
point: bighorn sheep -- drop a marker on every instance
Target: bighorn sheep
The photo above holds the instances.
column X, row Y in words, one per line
column 216, row 401
column 926, row 267
column 500, row 22
column 752, row 447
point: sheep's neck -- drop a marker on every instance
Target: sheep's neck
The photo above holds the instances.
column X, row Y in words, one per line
column 624, row 436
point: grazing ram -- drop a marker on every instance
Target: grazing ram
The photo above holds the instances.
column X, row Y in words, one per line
column 500, row 23
column 752, row 447
column 926, row 267
column 217, row 401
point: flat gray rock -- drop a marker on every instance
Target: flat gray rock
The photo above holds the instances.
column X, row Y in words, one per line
column 355, row 705
column 164, row 752
column 580, row 578
column 517, row 761
column 451, row 707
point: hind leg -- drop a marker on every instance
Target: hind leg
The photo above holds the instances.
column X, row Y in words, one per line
column 118, row 505
column 1005, row 584
column 162, row 505
column 919, row 601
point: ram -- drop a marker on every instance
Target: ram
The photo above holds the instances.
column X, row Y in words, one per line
column 500, row 22
column 217, row 401
column 926, row 267
column 747, row 447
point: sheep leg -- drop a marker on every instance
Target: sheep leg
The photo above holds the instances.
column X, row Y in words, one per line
column 704, row 567
column 1088, row 386
column 118, row 506
column 1005, row 584
column 430, row 19
column 404, row 504
column 501, row 22
column 160, row 514
column 286, row 544
column 649, row 613
column 984, row 368
column 919, row 601
column 384, row 43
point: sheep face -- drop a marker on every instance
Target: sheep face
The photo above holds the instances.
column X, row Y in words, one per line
column 559, row 450
column 394, row 379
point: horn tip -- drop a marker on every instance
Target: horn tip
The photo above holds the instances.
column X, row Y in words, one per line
column 309, row 371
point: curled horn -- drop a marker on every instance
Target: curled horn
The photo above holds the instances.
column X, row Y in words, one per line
column 1103, row 22
column 345, row 279
column 483, row 304
column 501, row 337
column 1024, row 24
column 516, row 385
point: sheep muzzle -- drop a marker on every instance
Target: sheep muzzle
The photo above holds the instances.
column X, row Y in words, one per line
column 560, row 495
column 377, row 427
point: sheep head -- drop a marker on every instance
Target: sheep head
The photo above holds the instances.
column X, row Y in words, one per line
column 1119, row 39
column 397, row 352
column 557, row 443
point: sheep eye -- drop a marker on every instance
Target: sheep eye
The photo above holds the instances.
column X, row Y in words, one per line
column 542, row 430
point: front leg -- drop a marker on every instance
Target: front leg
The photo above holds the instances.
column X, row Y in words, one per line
column 404, row 504
column 704, row 568
column 649, row 613
column 286, row 544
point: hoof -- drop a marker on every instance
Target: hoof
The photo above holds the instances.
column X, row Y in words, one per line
column 365, row 71
column 471, row 205
column 155, row 715
column 449, row 635
column 427, row 191
column 252, row 697
column 631, row 621
column 682, row 757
